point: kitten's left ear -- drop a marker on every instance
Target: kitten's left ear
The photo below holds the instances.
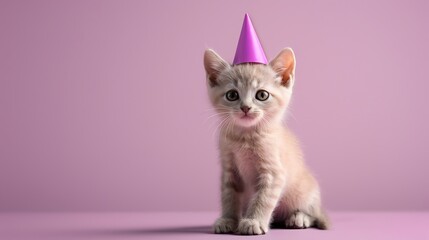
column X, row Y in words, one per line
column 284, row 64
column 214, row 65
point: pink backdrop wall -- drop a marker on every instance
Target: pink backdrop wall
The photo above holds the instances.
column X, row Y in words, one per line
column 103, row 103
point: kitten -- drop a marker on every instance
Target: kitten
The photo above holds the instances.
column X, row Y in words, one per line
column 264, row 177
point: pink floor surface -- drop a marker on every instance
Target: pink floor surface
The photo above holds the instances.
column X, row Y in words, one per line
column 197, row 225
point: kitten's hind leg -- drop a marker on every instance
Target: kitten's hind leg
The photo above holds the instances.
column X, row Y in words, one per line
column 299, row 220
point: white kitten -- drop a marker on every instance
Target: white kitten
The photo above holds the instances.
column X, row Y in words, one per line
column 264, row 177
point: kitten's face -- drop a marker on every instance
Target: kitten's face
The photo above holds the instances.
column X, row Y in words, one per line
column 247, row 95
column 250, row 94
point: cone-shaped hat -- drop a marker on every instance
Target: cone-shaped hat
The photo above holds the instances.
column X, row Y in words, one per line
column 249, row 49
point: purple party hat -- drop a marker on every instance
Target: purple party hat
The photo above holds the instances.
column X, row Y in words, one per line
column 249, row 49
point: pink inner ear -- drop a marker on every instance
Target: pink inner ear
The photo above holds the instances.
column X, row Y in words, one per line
column 284, row 72
column 212, row 80
column 284, row 65
column 285, row 80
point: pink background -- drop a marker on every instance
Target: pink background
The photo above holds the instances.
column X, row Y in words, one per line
column 103, row 104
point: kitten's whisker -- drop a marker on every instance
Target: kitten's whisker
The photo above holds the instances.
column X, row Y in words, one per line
column 225, row 126
column 228, row 127
column 265, row 123
column 216, row 108
column 220, row 114
column 213, row 124
column 217, row 114
column 289, row 113
column 220, row 124
column 218, row 111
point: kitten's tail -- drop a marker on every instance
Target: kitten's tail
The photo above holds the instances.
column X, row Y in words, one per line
column 322, row 221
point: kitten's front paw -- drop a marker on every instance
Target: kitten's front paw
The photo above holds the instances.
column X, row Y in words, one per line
column 249, row 226
column 225, row 225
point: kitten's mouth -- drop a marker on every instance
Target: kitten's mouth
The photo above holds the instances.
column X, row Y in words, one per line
column 247, row 120
column 247, row 117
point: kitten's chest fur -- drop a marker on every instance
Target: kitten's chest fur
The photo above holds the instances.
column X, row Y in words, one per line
column 250, row 155
column 246, row 161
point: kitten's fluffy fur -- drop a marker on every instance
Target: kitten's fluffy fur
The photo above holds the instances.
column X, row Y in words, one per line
column 264, row 177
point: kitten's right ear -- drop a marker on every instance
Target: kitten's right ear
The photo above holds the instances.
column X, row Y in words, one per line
column 284, row 64
column 214, row 65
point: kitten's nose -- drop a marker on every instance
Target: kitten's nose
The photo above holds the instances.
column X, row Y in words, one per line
column 245, row 109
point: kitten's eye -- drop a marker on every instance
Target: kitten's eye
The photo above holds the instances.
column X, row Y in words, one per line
column 232, row 95
column 262, row 95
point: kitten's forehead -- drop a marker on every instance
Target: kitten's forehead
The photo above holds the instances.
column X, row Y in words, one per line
column 249, row 75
